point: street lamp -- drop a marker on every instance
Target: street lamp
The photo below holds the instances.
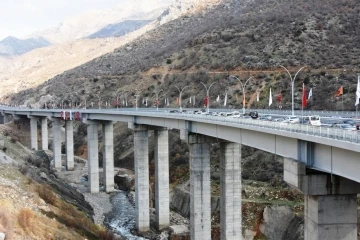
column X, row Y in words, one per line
column 157, row 99
column 99, row 99
column 180, row 94
column 207, row 94
column 117, row 100
column 243, row 86
column 292, row 86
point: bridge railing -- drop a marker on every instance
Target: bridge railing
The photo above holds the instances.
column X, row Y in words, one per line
column 325, row 132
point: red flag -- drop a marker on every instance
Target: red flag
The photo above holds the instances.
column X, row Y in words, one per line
column 339, row 92
column 304, row 99
column 279, row 97
column 206, row 101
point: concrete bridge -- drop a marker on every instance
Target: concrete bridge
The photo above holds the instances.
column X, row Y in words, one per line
column 323, row 163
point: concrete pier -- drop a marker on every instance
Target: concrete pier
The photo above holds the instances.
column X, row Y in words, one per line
column 108, row 155
column 162, row 199
column 330, row 202
column 230, row 201
column 331, row 217
column 44, row 134
column 33, row 133
column 69, row 139
column 56, row 129
column 141, row 155
column 93, row 156
column 200, row 192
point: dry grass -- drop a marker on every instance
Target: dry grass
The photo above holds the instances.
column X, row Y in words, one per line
column 46, row 193
column 26, row 218
column 6, row 223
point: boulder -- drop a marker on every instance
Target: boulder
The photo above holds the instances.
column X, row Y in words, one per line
column 280, row 223
column 179, row 229
column 125, row 180
column 2, row 236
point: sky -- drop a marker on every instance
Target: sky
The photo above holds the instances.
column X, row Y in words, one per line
column 20, row 18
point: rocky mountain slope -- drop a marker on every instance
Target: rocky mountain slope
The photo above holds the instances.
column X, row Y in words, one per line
column 242, row 38
column 12, row 46
column 119, row 29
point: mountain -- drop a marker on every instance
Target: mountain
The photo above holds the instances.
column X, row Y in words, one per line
column 12, row 46
column 245, row 38
column 119, row 29
column 85, row 24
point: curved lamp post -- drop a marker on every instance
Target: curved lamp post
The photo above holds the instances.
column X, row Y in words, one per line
column 180, row 94
column 243, row 86
column 157, row 99
column 207, row 95
column 292, row 86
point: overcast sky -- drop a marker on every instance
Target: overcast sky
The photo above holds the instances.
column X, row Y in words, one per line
column 19, row 18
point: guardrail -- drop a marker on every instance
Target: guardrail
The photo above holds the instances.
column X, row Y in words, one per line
column 326, row 132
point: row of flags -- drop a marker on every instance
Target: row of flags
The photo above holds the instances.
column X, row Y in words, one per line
column 306, row 97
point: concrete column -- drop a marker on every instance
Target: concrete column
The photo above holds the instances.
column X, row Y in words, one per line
column 331, row 217
column 4, row 118
column 69, row 139
column 141, row 155
column 330, row 202
column 93, row 156
column 56, row 128
column 162, row 203
column 44, row 134
column 230, row 201
column 33, row 133
column 108, row 156
column 200, row 193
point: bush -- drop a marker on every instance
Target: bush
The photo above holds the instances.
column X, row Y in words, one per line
column 46, row 193
column 26, row 218
column 34, row 160
column 14, row 139
column 106, row 235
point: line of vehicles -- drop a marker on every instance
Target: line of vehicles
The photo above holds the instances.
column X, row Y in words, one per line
column 345, row 124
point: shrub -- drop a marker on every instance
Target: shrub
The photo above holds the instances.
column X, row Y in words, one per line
column 46, row 193
column 14, row 139
column 106, row 235
column 26, row 218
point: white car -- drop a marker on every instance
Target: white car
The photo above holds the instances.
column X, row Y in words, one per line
column 292, row 119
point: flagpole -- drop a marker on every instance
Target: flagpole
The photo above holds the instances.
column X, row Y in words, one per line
column 342, row 99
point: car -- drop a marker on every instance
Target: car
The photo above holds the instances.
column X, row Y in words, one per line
column 278, row 119
column 236, row 114
column 349, row 121
column 174, row 111
column 346, row 127
column 292, row 119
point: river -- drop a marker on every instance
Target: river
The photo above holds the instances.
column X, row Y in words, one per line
column 122, row 217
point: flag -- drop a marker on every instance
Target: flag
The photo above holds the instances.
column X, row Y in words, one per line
column 304, row 100
column 194, row 101
column 279, row 97
column 165, row 101
column 146, row 100
column 339, row 92
column 225, row 100
column 206, row 101
column 168, row 104
column 70, row 115
column 257, row 96
column 358, row 92
column 177, row 100
column 190, row 100
column 126, row 102
column 270, row 98
column 310, row 94
column 218, row 98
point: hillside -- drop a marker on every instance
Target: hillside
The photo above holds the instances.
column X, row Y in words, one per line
column 233, row 38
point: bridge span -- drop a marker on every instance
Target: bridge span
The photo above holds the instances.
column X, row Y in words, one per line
column 321, row 162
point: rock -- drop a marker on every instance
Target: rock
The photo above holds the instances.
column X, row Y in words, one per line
column 43, row 175
column 180, row 202
column 2, row 236
column 280, row 223
column 249, row 235
column 179, row 229
column 163, row 236
column 125, row 181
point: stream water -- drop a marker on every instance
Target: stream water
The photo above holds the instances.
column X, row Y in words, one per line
column 122, row 217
